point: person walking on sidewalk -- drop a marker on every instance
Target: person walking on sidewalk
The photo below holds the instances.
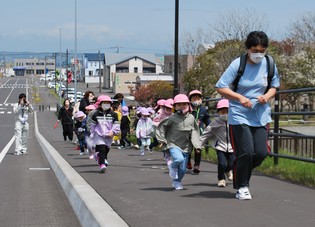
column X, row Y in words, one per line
column 203, row 119
column 180, row 134
column 104, row 126
column 144, row 130
column 218, row 131
column 66, row 118
column 249, row 111
column 125, row 128
column 21, row 111
column 81, row 130
column 86, row 100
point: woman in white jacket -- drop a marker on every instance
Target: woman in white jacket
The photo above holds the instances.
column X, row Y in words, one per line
column 21, row 111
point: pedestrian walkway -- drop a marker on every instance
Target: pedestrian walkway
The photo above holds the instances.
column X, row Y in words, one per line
column 139, row 190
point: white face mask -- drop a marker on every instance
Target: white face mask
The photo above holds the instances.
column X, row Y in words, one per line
column 256, row 57
column 224, row 117
column 197, row 103
column 105, row 106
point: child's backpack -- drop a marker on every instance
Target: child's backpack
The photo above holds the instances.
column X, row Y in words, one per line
column 241, row 69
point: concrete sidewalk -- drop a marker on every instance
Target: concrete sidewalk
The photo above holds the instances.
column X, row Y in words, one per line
column 139, row 191
column 139, row 194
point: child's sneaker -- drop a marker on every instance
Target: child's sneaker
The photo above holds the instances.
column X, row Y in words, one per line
column 121, row 147
column 221, row 183
column 106, row 163
column 229, row 175
column 196, row 170
column 81, row 153
column 129, row 146
column 91, row 157
column 102, row 168
column 243, row 194
column 142, row 153
column 137, row 146
column 177, row 185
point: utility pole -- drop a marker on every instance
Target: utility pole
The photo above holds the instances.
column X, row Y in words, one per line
column 67, row 69
column 55, row 55
column 175, row 92
column 45, row 71
column 75, row 51
column 99, row 71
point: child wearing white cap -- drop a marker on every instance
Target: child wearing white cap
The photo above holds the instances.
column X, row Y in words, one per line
column 144, row 130
column 80, row 130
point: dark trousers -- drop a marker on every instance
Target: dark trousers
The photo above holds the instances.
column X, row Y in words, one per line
column 225, row 163
column 197, row 158
column 102, row 153
column 154, row 143
column 124, row 140
column 67, row 131
column 250, row 145
column 82, row 144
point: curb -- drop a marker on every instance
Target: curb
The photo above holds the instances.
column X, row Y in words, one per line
column 89, row 207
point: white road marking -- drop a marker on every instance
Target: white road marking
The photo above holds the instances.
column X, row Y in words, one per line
column 38, row 168
column 6, row 148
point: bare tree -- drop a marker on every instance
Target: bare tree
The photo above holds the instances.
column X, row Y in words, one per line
column 302, row 31
column 190, row 41
column 236, row 25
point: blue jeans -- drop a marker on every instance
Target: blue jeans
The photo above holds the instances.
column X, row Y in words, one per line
column 180, row 160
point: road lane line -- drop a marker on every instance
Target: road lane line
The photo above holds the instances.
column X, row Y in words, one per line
column 6, row 148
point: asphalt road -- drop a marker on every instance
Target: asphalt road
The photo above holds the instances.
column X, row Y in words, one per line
column 30, row 194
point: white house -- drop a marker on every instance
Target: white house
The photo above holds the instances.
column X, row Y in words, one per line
column 92, row 62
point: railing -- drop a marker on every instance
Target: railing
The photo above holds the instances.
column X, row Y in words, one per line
column 303, row 145
column 278, row 135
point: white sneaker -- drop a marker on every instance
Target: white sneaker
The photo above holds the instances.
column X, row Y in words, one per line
column 106, row 163
column 243, row 194
column 229, row 175
column 142, row 153
column 221, row 183
column 137, row 146
column 173, row 172
column 177, row 185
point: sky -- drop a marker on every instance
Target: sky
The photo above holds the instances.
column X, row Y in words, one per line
column 131, row 25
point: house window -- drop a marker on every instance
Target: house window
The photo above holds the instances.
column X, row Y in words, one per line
column 90, row 73
column 171, row 67
column 135, row 69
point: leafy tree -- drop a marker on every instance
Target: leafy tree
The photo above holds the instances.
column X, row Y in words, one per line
column 211, row 65
column 146, row 95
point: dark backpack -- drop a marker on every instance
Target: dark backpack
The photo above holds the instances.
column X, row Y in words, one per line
column 241, row 69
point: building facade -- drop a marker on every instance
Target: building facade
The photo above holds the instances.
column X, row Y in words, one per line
column 185, row 62
column 33, row 66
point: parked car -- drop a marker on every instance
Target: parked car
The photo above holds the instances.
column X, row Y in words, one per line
column 52, row 84
column 47, row 78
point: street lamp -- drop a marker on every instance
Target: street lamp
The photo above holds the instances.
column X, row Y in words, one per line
column 59, row 66
column 75, row 51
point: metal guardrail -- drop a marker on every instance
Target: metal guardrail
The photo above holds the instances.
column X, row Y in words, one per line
column 275, row 134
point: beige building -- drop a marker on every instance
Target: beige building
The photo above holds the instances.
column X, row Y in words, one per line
column 185, row 62
column 33, row 66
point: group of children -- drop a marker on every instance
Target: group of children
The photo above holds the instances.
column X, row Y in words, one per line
column 179, row 126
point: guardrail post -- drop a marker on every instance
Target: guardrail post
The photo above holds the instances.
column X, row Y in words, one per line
column 276, row 130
